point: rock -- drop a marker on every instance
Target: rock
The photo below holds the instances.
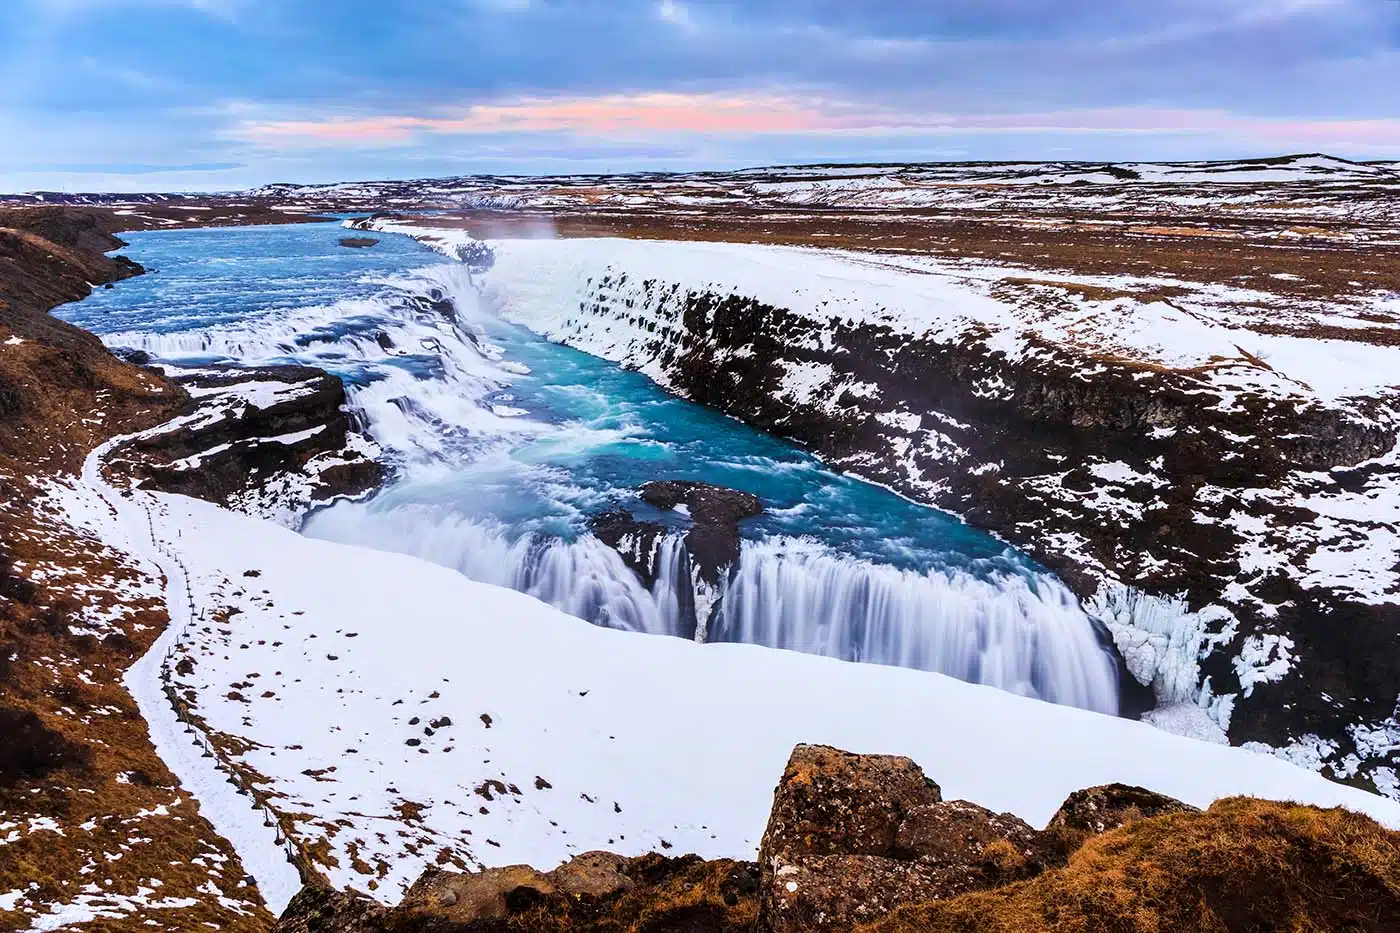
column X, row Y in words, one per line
column 715, row 514
column 134, row 357
column 238, row 452
column 1098, row 810
column 1243, row 865
column 358, row 242
column 318, row 909
column 635, row 540
column 711, row 544
column 351, row 478
column 969, row 845
column 841, row 892
column 593, row 874
column 831, row 802
column 596, row 892
column 852, row 837
column 486, row 895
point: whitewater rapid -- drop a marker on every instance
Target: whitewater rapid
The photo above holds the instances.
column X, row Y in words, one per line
column 499, row 462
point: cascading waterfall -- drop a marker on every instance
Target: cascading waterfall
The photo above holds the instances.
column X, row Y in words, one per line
column 1023, row 634
column 495, row 491
column 583, row 577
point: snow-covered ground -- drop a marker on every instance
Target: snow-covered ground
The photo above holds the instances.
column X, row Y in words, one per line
column 397, row 710
column 1262, row 188
column 541, row 282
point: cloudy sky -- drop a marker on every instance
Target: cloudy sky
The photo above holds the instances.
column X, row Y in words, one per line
column 216, row 94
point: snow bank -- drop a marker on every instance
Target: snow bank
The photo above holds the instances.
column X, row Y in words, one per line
column 341, row 664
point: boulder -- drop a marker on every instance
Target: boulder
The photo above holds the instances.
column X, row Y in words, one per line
column 318, row 909
column 853, row 837
column 1096, row 810
column 485, row 895
column 593, row 874
column 831, row 802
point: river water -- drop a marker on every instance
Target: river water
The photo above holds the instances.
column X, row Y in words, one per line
column 504, row 444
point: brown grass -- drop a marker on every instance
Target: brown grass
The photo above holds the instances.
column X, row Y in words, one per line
column 76, row 754
column 92, row 769
column 1244, row 865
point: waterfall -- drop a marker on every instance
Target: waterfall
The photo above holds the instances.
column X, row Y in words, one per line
column 436, row 395
column 1023, row 634
column 1020, row 633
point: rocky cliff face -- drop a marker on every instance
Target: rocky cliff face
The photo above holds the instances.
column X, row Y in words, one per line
column 271, row 441
column 866, row 842
column 61, row 391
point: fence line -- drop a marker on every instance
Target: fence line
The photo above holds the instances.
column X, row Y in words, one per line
column 294, row 849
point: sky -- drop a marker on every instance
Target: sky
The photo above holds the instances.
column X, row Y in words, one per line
column 132, row 95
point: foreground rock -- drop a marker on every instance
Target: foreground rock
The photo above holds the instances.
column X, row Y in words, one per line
column 1243, row 865
column 866, row 842
column 595, row 891
column 852, row 837
column 271, row 441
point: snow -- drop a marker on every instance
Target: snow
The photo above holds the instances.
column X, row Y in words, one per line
column 14, row 341
column 641, row 739
column 542, row 283
column 1263, row 659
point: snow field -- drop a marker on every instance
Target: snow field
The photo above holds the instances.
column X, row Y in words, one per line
column 598, row 738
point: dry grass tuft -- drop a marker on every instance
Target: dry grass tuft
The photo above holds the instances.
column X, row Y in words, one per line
column 1243, row 865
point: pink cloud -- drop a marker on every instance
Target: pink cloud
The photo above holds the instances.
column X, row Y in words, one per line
column 646, row 115
column 614, row 115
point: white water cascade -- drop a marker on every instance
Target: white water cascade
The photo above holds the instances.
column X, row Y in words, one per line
column 1024, row 634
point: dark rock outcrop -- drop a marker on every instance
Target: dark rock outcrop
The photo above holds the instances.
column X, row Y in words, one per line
column 1097, row 810
column 852, row 837
column 253, row 428
column 712, row 541
column 710, row 546
column 715, row 514
column 358, row 242
column 318, row 909
column 634, row 539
